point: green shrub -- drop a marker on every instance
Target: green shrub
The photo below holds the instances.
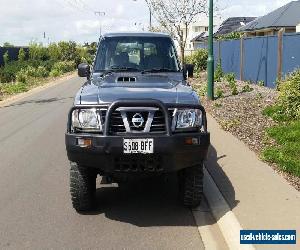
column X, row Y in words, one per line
column 41, row 71
column 25, row 73
column 21, row 55
column 234, row 90
column 289, row 95
column 219, row 72
column 6, row 58
column 217, row 105
column 48, row 65
column 247, row 88
column 22, row 76
column 9, row 71
column 198, row 58
column 38, row 53
column 261, row 83
column 54, row 52
column 63, row 67
column 85, row 57
column 56, row 58
column 55, row 73
column 259, row 96
column 219, row 92
column 68, row 51
column 30, row 72
column 230, row 78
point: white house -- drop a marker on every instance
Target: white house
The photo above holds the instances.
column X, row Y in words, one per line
column 195, row 30
column 298, row 28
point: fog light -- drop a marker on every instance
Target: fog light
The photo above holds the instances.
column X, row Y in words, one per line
column 191, row 141
column 84, row 143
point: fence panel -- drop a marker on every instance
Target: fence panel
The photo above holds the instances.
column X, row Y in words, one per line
column 230, row 56
column 291, row 53
column 255, row 61
column 272, row 54
column 260, row 57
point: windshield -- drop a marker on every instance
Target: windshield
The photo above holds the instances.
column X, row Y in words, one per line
column 136, row 53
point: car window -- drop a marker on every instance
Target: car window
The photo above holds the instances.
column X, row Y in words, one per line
column 150, row 49
column 141, row 53
column 132, row 50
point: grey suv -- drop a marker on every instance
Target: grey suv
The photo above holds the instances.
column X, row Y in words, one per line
column 136, row 116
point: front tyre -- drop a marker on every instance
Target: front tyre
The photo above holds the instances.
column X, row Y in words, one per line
column 82, row 187
column 191, row 185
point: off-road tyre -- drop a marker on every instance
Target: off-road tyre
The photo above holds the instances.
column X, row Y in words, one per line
column 82, row 187
column 190, row 182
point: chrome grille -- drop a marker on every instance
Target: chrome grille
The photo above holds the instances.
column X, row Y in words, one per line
column 121, row 120
column 158, row 123
column 116, row 124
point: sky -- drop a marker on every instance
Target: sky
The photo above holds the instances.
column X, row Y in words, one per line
column 25, row 21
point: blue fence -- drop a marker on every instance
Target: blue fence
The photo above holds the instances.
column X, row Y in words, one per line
column 291, row 52
column 260, row 57
column 12, row 53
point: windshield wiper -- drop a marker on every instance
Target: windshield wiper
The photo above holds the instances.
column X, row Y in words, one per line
column 116, row 68
column 158, row 70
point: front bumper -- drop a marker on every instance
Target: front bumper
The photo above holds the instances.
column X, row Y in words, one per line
column 171, row 153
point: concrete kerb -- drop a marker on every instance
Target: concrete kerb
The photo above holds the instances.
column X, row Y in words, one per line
column 225, row 218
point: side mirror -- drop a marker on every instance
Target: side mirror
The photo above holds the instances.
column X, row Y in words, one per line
column 84, row 70
column 188, row 70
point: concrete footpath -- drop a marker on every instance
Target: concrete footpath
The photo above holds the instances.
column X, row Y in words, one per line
column 257, row 195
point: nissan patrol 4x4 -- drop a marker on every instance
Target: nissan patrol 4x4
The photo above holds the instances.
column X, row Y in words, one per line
column 136, row 116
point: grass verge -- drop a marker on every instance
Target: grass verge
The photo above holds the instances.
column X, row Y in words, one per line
column 10, row 89
column 286, row 152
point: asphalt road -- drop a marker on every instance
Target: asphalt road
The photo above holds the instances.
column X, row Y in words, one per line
column 35, row 207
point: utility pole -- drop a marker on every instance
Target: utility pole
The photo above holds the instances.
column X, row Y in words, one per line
column 44, row 36
column 150, row 18
column 210, row 61
column 100, row 14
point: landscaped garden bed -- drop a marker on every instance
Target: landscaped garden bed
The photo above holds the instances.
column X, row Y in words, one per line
column 252, row 113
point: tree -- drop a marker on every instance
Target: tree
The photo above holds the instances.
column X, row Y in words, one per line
column 7, row 44
column 176, row 16
column 231, row 36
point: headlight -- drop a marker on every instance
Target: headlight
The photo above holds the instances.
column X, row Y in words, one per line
column 188, row 118
column 86, row 119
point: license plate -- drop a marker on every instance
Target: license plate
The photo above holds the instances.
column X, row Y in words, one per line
column 138, row 146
